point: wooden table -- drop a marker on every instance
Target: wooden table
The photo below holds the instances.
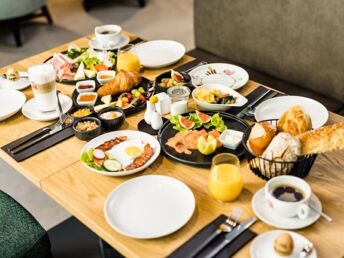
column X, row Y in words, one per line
column 59, row 173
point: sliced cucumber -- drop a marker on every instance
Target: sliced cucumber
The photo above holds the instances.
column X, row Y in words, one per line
column 112, row 165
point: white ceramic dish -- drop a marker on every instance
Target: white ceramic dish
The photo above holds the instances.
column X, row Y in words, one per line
column 107, row 73
column 263, row 245
column 87, row 82
column 227, row 74
column 240, row 100
column 11, row 101
column 31, row 111
column 153, row 142
column 95, row 44
column 21, row 84
column 149, row 206
column 267, row 215
column 231, row 139
column 275, row 107
column 86, row 103
column 159, row 53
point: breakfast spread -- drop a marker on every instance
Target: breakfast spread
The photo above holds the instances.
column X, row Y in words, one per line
column 284, row 244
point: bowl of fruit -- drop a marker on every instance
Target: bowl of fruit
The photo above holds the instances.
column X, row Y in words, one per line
column 172, row 78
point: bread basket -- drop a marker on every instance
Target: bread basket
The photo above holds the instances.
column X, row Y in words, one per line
column 267, row 169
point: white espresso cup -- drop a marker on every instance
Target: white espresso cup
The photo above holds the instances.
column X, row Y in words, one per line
column 42, row 79
column 284, row 208
column 108, row 35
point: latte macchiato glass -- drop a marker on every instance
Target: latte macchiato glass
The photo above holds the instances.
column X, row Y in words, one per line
column 42, row 79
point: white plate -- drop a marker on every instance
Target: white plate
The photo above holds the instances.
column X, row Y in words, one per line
column 270, row 217
column 263, row 245
column 31, row 111
column 124, row 40
column 231, row 75
column 149, row 206
column 21, row 84
column 11, row 101
column 159, row 53
column 147, row 138
column 275, row 107
column 240, row 99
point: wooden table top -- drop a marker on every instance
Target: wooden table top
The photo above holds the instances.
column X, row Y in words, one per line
column 59, row 173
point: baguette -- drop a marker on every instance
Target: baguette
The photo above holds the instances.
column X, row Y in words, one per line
column 324, row 139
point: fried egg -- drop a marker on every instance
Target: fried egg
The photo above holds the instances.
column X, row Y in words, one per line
column 126, row 152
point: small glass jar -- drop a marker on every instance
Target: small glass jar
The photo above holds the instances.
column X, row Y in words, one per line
column 179, row 97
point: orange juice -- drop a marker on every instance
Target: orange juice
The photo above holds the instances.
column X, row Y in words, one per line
column 128, row 61
column 225, row 182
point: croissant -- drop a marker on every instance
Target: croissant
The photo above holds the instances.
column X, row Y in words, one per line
column 123, row 82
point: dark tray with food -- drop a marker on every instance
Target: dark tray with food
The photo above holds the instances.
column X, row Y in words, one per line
column 172, row 78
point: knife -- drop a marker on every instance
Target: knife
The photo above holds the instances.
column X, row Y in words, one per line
column 229, row 237
column 246, row 109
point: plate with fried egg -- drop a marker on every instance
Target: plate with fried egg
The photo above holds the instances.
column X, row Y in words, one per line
column 120, row 153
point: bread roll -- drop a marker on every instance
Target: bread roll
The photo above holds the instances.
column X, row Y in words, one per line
column 260, row 137
column 294, row 121
column 284, row 244
column 325, row 139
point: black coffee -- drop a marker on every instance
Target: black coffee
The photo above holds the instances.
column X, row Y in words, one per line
column 287, row 193
column 105, row 32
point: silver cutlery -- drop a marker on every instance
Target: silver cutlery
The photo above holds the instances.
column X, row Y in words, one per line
column 253, row 109
column 321, row 213
column 225, row 227
column 231, row 236
column 243, row 112
column 306, row 250
column 199, row 64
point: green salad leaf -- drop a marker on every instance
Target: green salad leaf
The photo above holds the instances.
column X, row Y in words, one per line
column 218, row 123
column 87, row 158
column 177, row 126
column 87, row 60
column 194, row 118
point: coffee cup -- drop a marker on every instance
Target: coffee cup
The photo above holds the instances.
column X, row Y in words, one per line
column 108, row 35
column 288, row 196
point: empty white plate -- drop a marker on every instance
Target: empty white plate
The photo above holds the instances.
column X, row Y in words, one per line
column 149, row 206
column 275, row 107
column 31, row 111
column 159, row 53
column 267, row 215
column 11, row 101
column 124, row 40
column 263, row 245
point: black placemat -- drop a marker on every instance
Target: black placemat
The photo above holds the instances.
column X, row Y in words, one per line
column 187, row 66
column 40, row 146
column 186, row 249
column 144, row 127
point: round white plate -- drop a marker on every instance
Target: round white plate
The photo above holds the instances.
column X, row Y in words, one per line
column 149, row 206
column 275, row 107
column 159, row 53
column 31, row 111
column 146, row 138
column 230, row 75
column 21, row 84
column 124, row 40
column 270, row 217
column 263, row 245
column 11, row 101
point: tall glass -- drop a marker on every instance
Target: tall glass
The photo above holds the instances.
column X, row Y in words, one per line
column 127, row 59
column 225, row 181
column 42, row 79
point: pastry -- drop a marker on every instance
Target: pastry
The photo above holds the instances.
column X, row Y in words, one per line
column 284, row 244
column 12, row 74
column 294, row 121
column 327, row 138
column 123, row 82
column 260, row 137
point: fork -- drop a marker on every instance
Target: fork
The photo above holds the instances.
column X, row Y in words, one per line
column 306, row 250
column 225, row 227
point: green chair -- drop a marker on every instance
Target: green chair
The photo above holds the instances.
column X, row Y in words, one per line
column 21, row 236
column 13, row 12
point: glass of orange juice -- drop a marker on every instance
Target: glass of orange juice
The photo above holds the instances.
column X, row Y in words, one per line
column 127, row 59
column 226, row 180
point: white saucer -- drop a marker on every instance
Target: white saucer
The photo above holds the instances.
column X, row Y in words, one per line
column 31, row 111
column 21, row 84
column 270, row 217
column 263, row 245
column 11, row 101
column 124, row 40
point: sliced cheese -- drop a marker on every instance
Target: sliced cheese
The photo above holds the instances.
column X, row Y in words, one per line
column 80, row 73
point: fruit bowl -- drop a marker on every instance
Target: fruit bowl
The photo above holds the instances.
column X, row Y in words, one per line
column 186, row 81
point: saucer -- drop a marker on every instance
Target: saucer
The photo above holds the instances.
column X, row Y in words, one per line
column 21, row 84
column 31, row 111
column 263, row 245
column 124, row 40
column 270, row 217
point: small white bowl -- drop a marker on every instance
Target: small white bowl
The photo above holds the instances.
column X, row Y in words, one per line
column 231, row 139
column 87, row 103
column 240, row 99
column 87, row 82
column 102, row 73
